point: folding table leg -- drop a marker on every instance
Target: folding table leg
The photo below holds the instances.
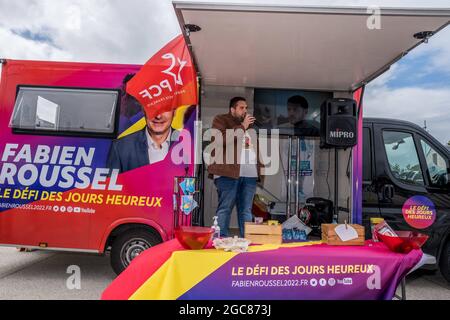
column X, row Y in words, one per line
column 403, row 288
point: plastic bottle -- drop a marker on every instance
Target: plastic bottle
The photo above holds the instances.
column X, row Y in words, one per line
column 216, row 234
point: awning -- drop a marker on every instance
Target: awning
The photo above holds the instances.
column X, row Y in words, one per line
column 316, row 48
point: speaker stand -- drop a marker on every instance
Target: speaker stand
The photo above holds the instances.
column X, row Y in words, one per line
column 288, row 187
column 336, row 186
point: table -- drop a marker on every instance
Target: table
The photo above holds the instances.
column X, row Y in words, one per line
column 425, row 259
column 302, row 271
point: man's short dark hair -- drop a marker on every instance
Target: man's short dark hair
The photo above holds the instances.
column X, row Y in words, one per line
column 298, row 101
column 235, row 100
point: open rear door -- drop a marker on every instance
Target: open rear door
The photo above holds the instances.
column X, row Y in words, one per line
column 316, row 48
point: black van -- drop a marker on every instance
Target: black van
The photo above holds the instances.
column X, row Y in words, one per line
column 404, row 165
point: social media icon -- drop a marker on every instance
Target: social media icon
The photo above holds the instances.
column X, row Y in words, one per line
column 348, row 281
column 77, row 210
column 69, row 209
column 323, row 282
column 313, row 282
column 55, row 208
column 63, row 209
column 331, row 282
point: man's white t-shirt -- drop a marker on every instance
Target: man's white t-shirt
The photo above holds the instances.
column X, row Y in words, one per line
column 248, row 163
column 248, row 159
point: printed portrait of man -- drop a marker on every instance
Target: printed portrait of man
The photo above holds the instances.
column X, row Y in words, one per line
column 297, row 111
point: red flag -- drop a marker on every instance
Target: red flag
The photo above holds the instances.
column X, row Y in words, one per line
column 167, row 81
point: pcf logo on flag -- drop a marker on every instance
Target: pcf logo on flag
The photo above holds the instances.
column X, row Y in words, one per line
column 167, row 81
column 155, row 91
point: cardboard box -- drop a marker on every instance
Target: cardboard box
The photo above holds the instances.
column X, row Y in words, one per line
column 263, row 233
column 330, row 237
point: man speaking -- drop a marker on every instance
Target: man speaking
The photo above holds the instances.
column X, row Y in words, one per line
column 235, row 180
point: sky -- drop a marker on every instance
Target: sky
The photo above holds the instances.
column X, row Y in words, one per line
column 416, row 89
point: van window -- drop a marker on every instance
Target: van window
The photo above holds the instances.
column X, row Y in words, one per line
column 436, row 164
column 65, row 110
column 367, row 155
column 402, row 157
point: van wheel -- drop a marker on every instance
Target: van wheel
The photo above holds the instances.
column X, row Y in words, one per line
column 444, row 263
column 130, row 244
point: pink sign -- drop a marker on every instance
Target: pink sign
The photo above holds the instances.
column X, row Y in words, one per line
column 419, row 212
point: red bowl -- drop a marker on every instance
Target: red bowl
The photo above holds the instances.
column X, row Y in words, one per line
column 193, row 238
column 405, row 242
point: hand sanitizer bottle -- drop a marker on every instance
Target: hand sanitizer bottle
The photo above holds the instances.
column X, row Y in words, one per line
column 216, row 234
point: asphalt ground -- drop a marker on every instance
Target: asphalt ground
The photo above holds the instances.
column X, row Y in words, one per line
column 44, row 275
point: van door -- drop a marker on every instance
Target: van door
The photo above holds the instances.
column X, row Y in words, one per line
column 407, row 198
column 370, row 195
column 399, row 173
column 435, row 166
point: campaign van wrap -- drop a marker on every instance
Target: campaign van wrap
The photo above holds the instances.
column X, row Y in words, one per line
column 59, row 187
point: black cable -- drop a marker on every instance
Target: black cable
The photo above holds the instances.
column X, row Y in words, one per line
column 350, row 157
column 348, row 164
column 282, row 166
column 328, row 173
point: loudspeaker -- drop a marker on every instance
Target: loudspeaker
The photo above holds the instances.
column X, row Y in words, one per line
column 321, row 211
column 338, row 123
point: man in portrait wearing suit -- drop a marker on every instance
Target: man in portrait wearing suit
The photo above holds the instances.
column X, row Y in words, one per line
column 147, row 146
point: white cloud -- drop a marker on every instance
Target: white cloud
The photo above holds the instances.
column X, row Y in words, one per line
column 438, row 51
column 386, row 77
column 412, row 104
column 434, row 54
column 20, row 48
